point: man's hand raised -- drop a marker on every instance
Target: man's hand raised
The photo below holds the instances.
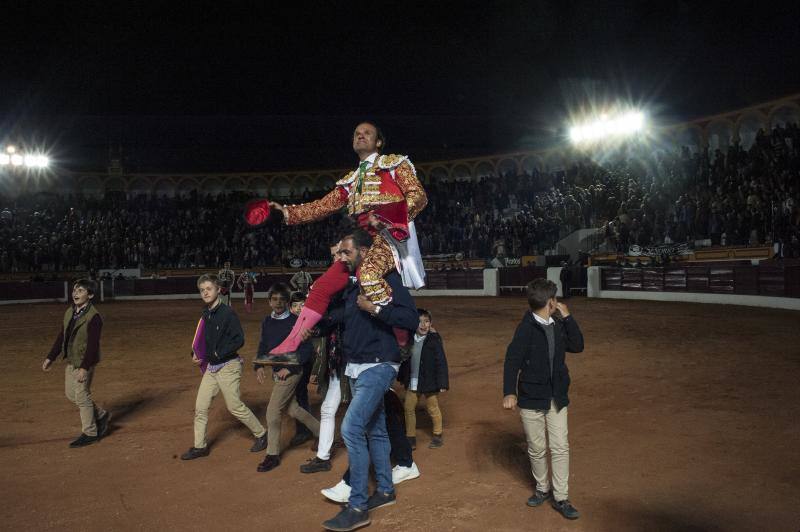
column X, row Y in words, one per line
column 279, row 207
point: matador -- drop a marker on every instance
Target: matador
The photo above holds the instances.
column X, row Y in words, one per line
column 384, row 196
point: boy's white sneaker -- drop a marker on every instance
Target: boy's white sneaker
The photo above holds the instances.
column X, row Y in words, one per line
column 400, row 473
column 339, row 493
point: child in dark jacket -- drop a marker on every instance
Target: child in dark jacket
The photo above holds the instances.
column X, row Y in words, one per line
column 222, row 337
column 274, row 330
column 424, row 373
column 297, row 301
column 536, row 378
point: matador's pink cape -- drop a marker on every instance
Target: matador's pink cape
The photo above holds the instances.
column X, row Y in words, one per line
column 199, row 344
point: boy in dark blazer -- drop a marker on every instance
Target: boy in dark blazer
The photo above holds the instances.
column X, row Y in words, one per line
column 537, row 379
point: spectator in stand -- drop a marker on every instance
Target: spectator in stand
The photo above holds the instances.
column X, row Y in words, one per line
column 300, row 281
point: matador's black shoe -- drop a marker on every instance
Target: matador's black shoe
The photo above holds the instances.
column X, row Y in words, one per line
column 284, row 359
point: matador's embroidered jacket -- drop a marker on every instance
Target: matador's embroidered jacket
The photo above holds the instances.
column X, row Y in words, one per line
column 389, row 189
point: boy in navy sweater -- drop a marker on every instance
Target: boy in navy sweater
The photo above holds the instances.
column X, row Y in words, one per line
column 222, row 338
column 274, row 329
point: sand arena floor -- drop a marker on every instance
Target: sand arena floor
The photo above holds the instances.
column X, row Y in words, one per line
column 683, row 417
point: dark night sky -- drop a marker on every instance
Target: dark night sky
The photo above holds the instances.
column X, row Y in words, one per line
column 194, row 87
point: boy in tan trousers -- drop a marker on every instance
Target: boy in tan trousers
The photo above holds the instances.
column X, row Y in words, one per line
column 79, row 340
column 223, row 337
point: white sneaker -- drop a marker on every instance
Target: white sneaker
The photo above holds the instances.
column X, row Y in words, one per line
column 340, row 492
column 400, row 473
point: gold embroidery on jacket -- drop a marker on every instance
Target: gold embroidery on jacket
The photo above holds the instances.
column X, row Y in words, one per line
column 347, row 179
column 378, row 261
column 315, row 210
column 390, row 161
column 406, row 177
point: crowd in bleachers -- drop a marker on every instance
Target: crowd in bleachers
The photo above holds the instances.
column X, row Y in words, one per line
column 741, row 197
column 637, row 195
column 49, row 232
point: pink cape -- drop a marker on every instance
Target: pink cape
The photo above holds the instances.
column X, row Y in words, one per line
column 199, row 344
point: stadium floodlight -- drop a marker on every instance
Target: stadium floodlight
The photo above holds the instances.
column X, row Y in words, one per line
column 36, row 161
column 11, row 157
column 605, row 127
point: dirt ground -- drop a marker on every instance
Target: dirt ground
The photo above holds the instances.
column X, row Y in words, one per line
column 683, row 417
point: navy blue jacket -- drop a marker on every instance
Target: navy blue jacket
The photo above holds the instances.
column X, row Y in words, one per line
column 223, row 334
column 527, row 372
column 433, row 375
column 273, row 332
column 369, row 339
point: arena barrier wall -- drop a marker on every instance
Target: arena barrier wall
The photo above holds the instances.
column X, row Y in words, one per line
column 770, row 286
column 446, row 283
column 13, row 292
column 461, row 283
column 513, row 280
column 472, row 282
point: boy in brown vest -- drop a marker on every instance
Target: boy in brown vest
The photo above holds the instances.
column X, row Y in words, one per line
column 79, row 340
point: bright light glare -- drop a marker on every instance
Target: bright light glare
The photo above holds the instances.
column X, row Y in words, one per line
column 605, row 126
column 10, row 156
column 36, row 161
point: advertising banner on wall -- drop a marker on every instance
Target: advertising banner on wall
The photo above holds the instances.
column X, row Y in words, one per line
column 659, row 251
column 297, row 263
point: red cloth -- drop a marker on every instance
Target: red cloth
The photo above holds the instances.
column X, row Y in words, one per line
column 256, row 212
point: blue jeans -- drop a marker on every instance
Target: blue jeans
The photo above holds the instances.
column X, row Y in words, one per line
column 366, row 420
column 395, row 426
